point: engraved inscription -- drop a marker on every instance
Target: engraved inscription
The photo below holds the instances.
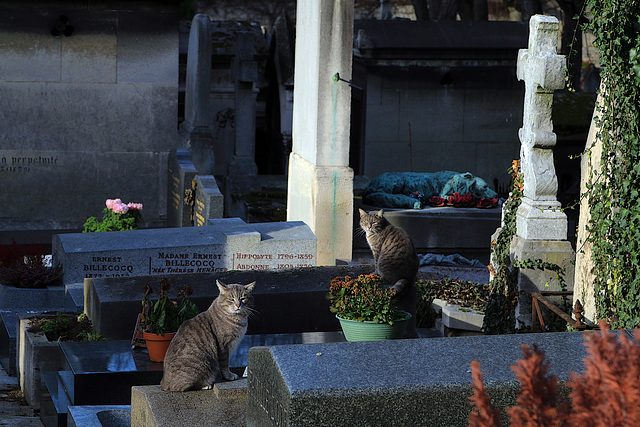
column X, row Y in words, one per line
column 24, row 164
column 109, row 266
column 253, row 261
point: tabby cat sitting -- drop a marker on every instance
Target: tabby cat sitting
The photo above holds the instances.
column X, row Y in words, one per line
column 200, row 351
column 395, row 259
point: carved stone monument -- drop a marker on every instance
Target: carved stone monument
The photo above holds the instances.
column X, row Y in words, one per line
column 541, row 225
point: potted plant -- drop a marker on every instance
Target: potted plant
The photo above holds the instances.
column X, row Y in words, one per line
column 117, row 216
column 366, row 309
column 162, row 318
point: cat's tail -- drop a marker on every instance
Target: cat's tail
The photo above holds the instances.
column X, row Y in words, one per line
column 401, row 285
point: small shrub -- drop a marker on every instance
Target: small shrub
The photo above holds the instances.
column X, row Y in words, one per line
column 23, row 267
column 607, row 394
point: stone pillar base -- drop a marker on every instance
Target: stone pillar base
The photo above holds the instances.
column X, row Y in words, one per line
column 541, row 220
column 322, row 197
column 557, row 252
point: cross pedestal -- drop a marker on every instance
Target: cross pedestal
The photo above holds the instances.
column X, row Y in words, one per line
column 541, row 225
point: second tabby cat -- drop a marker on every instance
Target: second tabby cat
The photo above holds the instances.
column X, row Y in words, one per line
column 395, row 259
column 200, row 350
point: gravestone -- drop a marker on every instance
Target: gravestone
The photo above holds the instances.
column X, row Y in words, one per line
column 84, row 114
column 195, row 129
column 320, row 180
column 583, row 289
column 181, row 174
column 208, row 201
column 541, row 225
column 225, row 244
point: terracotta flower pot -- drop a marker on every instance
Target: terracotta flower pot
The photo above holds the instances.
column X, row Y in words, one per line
column 157, row 345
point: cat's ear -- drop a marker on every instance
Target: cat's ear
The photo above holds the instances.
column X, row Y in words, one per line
column 362, row 213
column 249, row 287
column 221, row 286
column 379, row 213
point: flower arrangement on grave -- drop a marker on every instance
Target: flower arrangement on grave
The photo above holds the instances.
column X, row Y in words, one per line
column 163, row 315
column 25, row 267
column 466, row 200
column 117, row 216
column 364, row 299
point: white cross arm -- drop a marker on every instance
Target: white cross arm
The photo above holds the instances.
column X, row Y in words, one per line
column 540, row 64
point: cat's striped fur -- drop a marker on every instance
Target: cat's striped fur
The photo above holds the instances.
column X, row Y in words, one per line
column 200, row 351
column 396, row 261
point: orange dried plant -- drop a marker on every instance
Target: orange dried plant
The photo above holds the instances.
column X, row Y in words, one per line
column 606, row 395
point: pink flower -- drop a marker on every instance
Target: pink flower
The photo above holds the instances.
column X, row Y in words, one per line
column 120, row 208
column 135, row 206
column 109, row 203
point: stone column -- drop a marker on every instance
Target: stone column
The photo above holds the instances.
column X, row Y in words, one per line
column 320, row 189
column 195, row 129
column 242, row 172
column 541, row 225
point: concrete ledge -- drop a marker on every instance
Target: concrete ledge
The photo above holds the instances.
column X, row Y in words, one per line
column 224, row 405
column 412, row 382
column 29, row 299
column 456, row 317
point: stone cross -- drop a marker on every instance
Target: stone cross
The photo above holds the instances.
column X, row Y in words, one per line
column 539, row 216
column 541, row 225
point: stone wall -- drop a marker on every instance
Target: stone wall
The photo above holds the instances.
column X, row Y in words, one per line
column 88, row 116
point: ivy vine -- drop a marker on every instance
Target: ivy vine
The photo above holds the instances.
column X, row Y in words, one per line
column 500, row 308
column 613, row 192
column 499, row 315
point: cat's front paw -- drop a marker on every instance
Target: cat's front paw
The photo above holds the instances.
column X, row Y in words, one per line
column 229, row 376
column 207, row 387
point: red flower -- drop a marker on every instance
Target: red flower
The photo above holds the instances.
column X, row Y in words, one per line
column 461, row 201
column 436, row 201
column 487, row 203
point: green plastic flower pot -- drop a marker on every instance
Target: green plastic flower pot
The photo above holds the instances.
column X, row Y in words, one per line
column 371, row 331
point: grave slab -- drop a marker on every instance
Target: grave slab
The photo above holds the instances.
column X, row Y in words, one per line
column 286, row 301
column 466, row 231
column 102, row 373
column 424, row 382
column 99, row 415
column 225, row 244
column 29, row 299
